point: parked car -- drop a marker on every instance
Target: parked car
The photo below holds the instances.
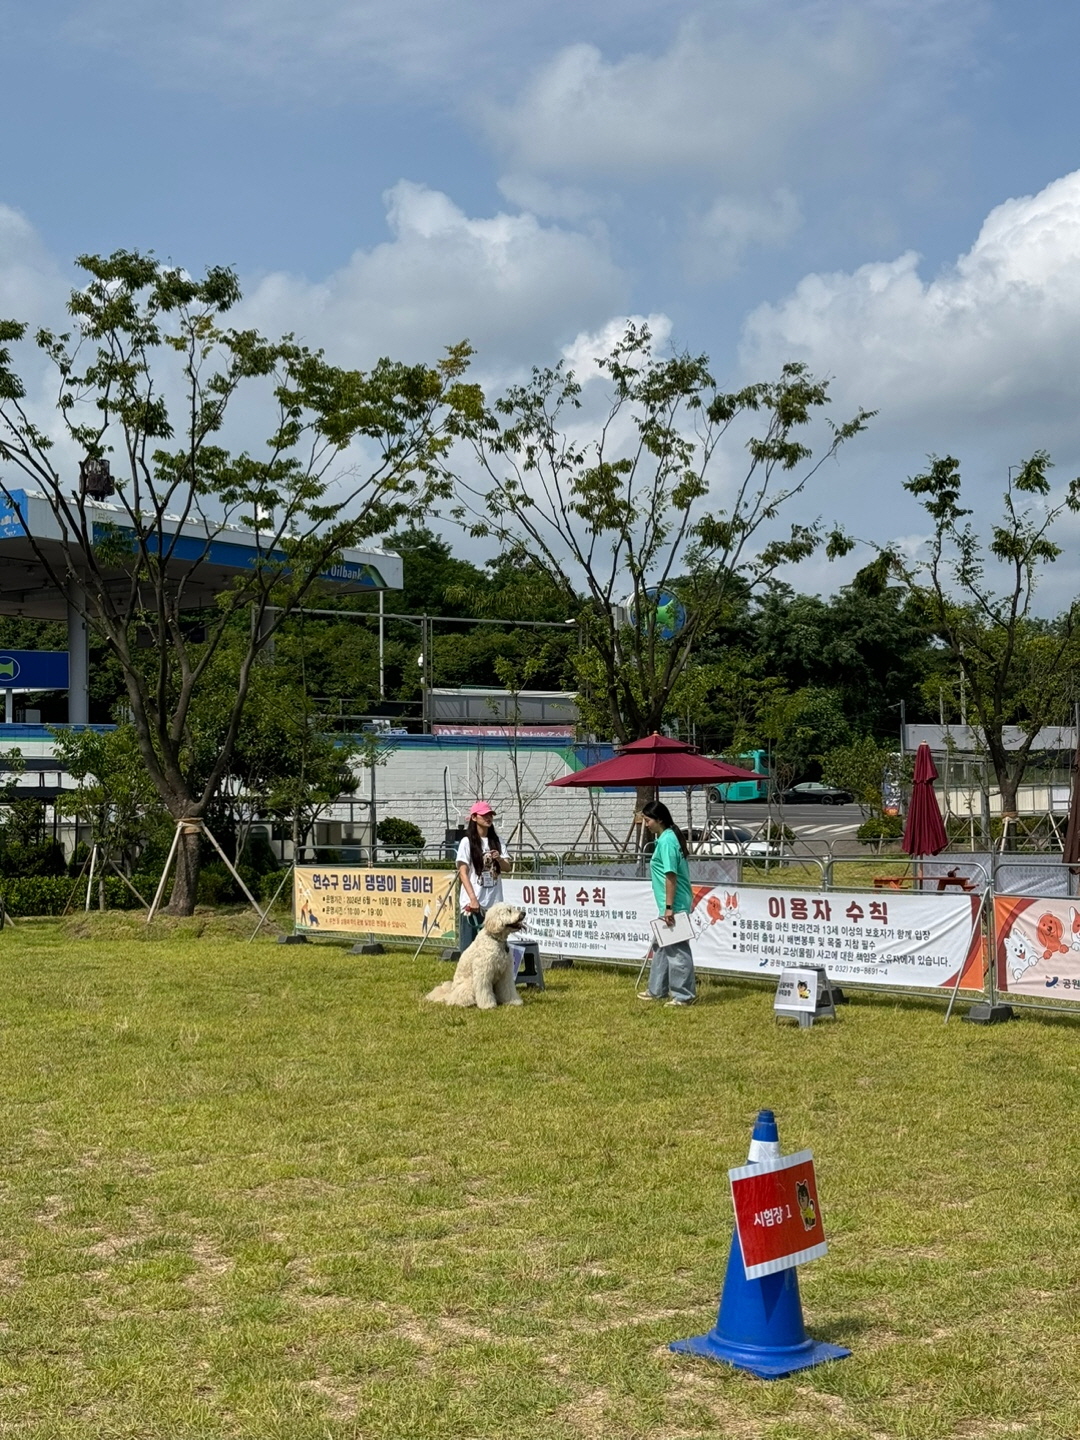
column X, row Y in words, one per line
column 812, row 792
column 730, row 840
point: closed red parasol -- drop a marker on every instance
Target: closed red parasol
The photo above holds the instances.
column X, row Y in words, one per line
column 659, row 761
column 924, row 832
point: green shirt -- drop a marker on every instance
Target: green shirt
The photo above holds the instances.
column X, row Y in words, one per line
column 667, row 856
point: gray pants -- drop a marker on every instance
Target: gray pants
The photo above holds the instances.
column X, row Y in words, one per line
column 671, row 972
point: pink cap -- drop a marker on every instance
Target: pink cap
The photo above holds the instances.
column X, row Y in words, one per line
column 481, row 808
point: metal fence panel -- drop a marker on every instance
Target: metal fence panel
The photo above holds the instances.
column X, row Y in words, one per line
column 1026, row 875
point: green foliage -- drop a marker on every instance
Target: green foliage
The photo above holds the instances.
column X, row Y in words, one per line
column 880, row 828
column 395, row 833
column 43, row 857
column 859, row 767
column 148, row 374
column 218, row 887
column 115, row 795
column 25, row 848
column 976, row 595
column 258, row 855
column 49, row 893
column 601, row 516
column 870, row 649
column 800, row 727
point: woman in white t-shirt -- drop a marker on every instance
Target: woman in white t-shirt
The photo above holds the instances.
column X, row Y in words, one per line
column 480, row 863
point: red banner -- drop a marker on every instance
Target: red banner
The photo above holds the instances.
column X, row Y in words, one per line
column 506, row 732
column 777, row 1214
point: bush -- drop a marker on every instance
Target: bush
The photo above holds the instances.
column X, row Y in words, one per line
column 49, row 894
column 880, row 828
column 19, row 860
column 258, row 855
column 216, row 886
column 79, row 857
column 267, row 884
column 399, row 834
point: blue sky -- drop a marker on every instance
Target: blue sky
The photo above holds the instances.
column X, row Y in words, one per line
column 889, row 190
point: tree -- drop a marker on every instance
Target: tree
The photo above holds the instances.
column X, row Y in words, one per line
column 114, row 796
column 149, row 375
column 861, row 768
column 871, row 646
column 799, row 727
column 399, row 836
column 627, row 519
column 1019, row 670
column 289, row 765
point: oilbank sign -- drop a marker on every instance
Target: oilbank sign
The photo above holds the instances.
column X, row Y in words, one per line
column 33, row 669
column 12, row 513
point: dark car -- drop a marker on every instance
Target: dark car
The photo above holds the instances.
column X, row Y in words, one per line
column 812, row 792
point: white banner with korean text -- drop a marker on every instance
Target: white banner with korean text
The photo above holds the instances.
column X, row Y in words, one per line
column 590, row 919
column 909, row 940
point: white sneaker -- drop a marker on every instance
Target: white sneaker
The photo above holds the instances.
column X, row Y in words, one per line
column 679, row 1002
column 644, row 995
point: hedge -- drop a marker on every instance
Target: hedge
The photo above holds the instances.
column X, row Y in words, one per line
column 49, row 894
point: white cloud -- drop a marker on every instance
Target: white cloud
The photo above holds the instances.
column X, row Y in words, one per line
column 733, row 224
column 994, row 338
column 980, row 362
column 329, row 50
column 723, row 102
column 29, row 280
column 514, row 287
column 588, row 347
column 555, row 202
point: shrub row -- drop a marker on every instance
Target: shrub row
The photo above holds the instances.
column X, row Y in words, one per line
column 49, row 894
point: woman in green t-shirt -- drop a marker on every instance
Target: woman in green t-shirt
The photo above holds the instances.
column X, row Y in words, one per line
column 671, row 974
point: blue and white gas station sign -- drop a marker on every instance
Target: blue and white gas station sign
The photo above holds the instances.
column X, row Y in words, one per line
column 33, row 669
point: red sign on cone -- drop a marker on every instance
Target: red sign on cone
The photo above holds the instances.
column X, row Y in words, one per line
column 777, row 1214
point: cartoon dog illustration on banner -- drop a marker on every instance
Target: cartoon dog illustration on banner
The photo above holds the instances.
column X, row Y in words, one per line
column 1038, row 945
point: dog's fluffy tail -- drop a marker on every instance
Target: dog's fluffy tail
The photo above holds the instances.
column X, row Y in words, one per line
column 441, row 993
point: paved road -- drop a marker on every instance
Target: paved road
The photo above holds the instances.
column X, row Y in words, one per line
column 818, row 825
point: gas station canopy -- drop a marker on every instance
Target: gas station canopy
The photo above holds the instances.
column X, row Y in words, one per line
column 206, row 557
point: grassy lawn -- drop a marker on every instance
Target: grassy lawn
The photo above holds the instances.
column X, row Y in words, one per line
column 263, row 1191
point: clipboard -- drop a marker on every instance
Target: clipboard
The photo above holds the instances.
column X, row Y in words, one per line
column 665, row 935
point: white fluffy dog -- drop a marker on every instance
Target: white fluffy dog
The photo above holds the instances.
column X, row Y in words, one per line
column 1019, row 955
column 485, row 974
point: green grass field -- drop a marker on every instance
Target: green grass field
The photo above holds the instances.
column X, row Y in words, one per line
column 263, row 1191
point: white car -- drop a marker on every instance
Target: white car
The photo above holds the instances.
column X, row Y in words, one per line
column 731, row 840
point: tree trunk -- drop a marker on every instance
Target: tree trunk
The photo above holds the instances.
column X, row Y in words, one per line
column 1007, row 788
column 185, row 875
column 644, row 794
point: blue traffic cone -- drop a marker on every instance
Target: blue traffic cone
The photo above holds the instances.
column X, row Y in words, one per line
column 760, row 1327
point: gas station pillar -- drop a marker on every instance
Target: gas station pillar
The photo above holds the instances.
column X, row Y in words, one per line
column 78, row 640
